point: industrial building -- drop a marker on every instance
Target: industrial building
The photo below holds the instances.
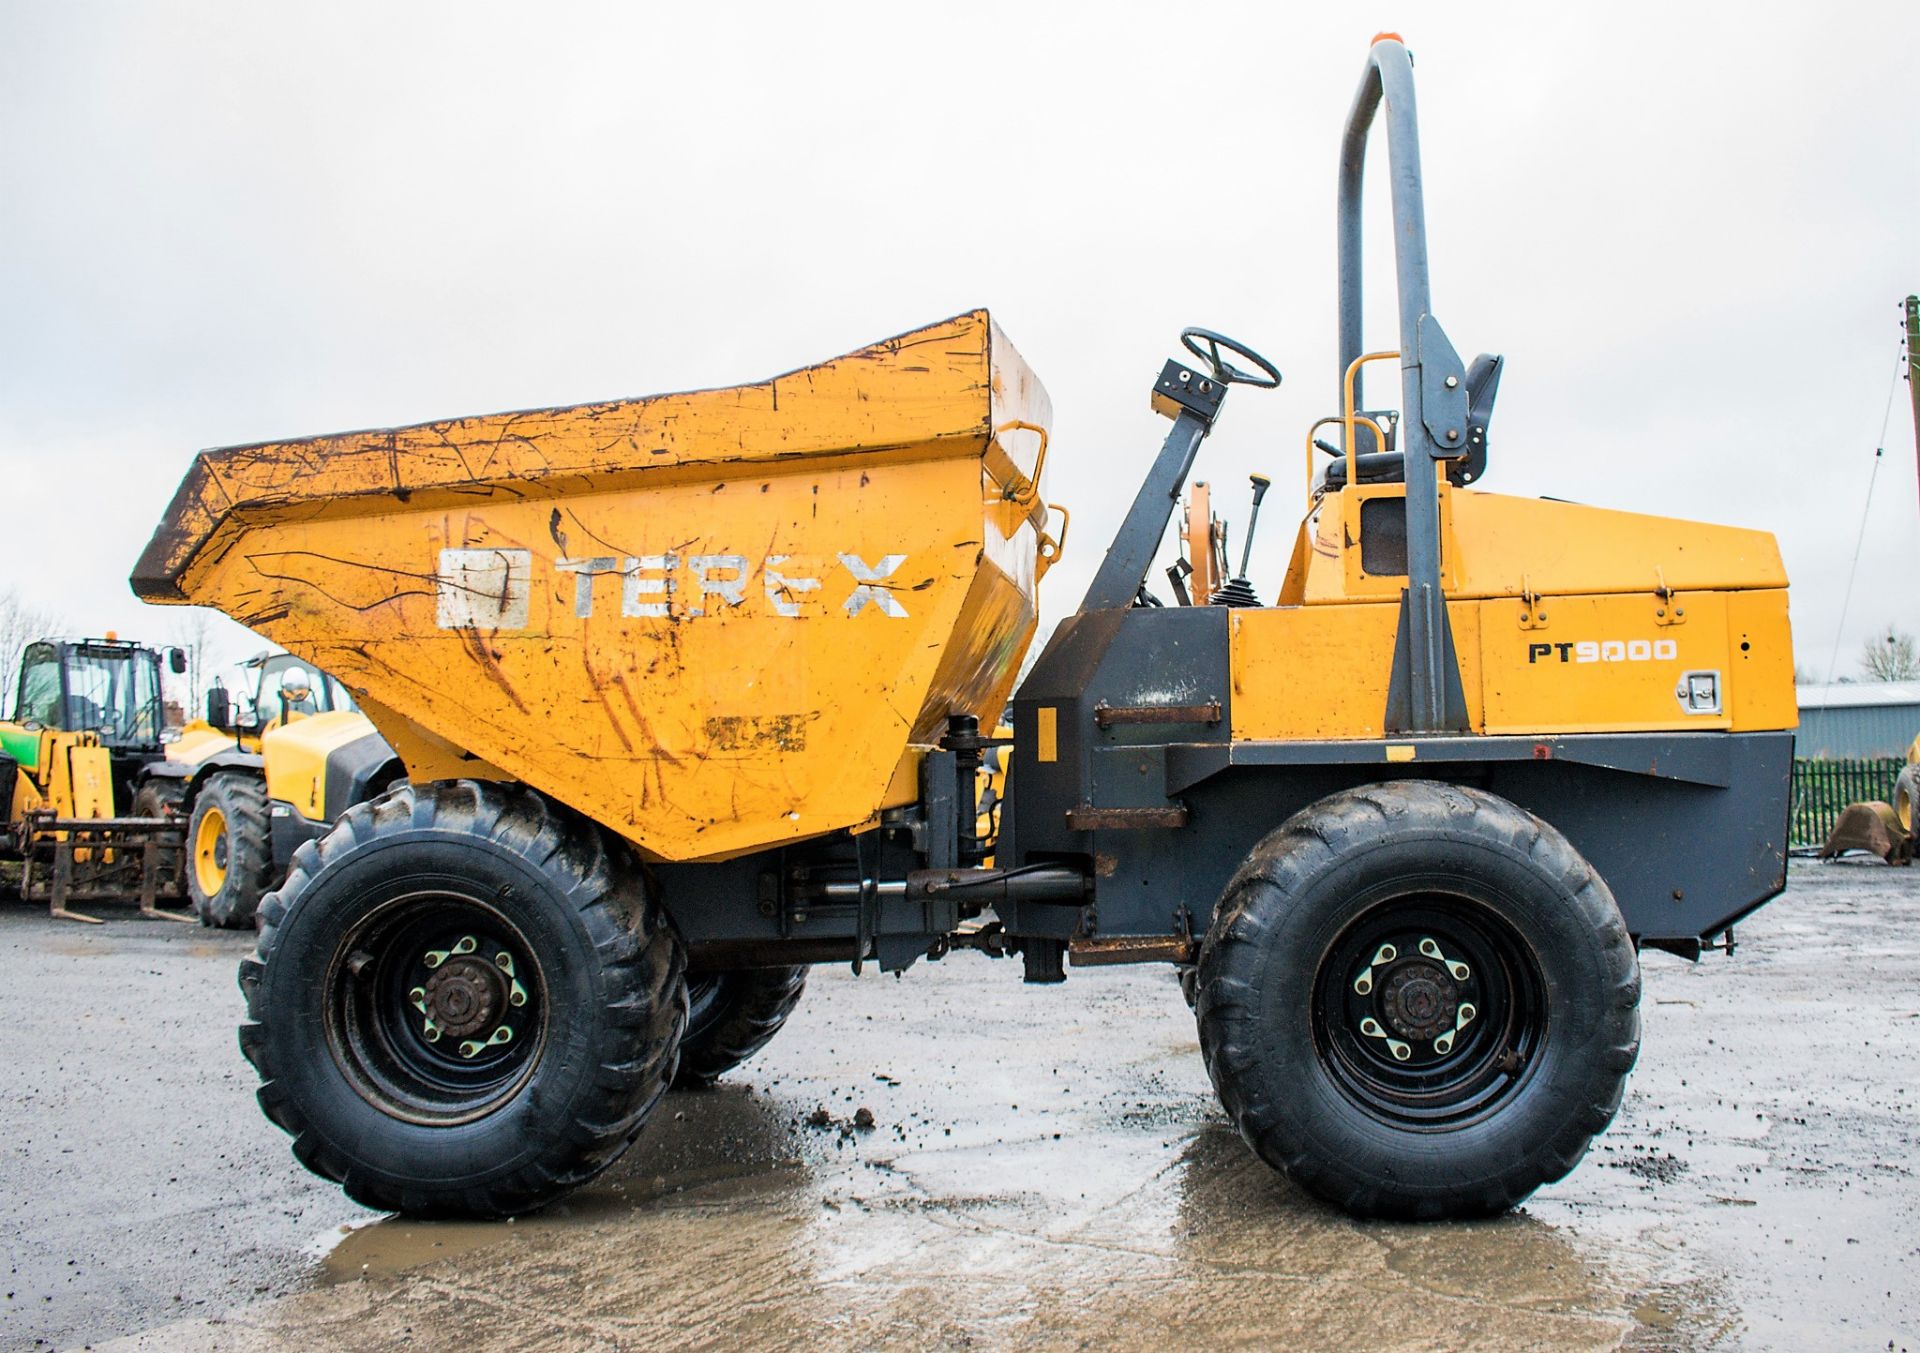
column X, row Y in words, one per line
column 1858, row 719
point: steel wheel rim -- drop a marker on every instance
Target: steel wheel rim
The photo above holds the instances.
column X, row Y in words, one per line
column 416, row 999
column 1466, row 1043
column 211, row 851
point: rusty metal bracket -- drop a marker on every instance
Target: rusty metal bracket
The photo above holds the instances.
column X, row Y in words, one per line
column 1095, row 953
column 1087, row 818
column 1113, row 716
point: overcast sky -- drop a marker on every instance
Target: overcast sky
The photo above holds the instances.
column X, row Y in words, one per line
column 1687, row 227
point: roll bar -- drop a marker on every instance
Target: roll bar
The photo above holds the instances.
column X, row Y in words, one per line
column 1424, row 695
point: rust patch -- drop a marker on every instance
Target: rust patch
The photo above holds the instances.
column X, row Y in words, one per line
column 747, row 733
column 1084, row 953
column 1109, row 716
column 1087, row 818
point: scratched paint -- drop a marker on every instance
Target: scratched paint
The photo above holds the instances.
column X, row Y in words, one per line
column 713, row 622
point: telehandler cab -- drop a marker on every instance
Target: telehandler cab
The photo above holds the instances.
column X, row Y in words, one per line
column 690, row 692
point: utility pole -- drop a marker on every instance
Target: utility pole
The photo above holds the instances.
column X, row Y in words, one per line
column 1913, row 368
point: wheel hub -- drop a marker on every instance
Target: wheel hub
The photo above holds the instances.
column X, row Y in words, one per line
column 1420, row 1001
column 465, row 996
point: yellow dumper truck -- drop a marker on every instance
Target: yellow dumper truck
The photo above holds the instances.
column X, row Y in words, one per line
column 690, row 692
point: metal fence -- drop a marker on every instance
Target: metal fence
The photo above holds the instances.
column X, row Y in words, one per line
column 1821, row 788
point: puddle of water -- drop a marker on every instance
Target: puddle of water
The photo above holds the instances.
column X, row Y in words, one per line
column 694, row 1146
column 388, row 1248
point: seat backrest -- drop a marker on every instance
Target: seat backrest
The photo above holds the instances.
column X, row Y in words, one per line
column 1483, row 383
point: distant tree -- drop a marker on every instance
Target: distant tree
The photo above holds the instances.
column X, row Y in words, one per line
column 1805, row 676
column 1895, row 657
column 192, row 632
column 21, row 622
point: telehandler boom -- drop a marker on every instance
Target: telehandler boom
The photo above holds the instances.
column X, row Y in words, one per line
column 690, row 691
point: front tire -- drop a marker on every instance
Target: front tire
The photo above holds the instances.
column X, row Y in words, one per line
column 229, row 851
column 464, row 1003
column 1418, row 1001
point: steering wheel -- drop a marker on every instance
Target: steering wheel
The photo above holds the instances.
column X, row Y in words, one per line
column 1224, row 371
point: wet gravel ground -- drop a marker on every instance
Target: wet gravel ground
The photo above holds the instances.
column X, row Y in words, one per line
column 1045, row 1168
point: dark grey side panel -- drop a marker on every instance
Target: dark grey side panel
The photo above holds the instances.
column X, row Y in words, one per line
column 1137, row 658
column 1684, row 859
column 287, row 831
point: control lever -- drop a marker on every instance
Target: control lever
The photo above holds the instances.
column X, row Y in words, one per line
column 1260, row 486
column 1239, row 592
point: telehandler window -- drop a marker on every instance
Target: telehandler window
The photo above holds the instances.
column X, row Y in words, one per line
column 40, row 687
column 112, row 692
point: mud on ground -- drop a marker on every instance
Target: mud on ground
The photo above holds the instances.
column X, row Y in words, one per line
column 1045, row 1168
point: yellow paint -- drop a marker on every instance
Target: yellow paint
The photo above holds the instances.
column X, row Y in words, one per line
column 1308, row 673
column 1493, row 545
column 208, row 870
column 90, row 776
column 426, row 755
column 1318, row 672
column 200, row 741
column 1566, row 619
column 1047, row 742
column 1400, row 751
column 1760, row 660
column 759, row 708
column 1607, row 666
column 72, row 776
column 296, row 754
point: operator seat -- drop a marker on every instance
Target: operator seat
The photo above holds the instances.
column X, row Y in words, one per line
column 1390, row 467
column 296, row 700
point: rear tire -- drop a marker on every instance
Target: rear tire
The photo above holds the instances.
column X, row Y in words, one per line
column 464, row 1004
column 731, row 1016
column 158, row 798
column 229, row 853
column 1418, row 1001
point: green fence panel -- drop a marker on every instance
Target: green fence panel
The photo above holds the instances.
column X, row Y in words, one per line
column 1821, row 788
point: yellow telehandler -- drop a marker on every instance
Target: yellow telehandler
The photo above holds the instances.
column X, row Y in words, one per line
column 274, row 760
column 86, row 724
column 692, row 689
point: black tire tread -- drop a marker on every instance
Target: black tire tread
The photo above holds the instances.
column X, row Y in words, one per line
column 156, row 798
column 243, row 799
column 642, row 963
column 1309, row 841
column 757, row 1002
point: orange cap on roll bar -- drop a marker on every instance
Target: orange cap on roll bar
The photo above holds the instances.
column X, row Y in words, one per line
column 1388, row 37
